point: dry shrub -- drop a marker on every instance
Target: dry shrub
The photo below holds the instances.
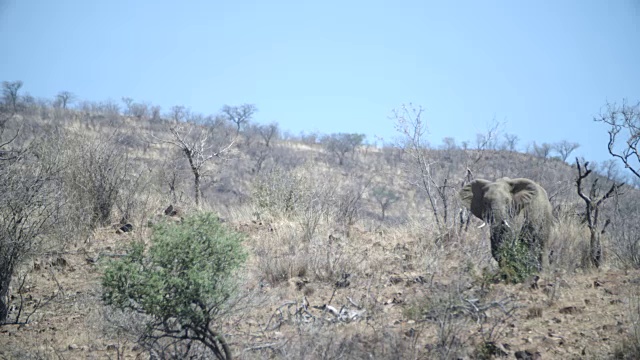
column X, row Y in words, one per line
column 325, row 342
column 569, row 244
column 630, row 346
column 280, row 255
column 95, row 180
column 423, row 249
column 333, row 257
column 460, row 319
column 302, row 194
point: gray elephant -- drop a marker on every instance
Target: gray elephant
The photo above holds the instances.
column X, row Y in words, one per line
column 500, row 202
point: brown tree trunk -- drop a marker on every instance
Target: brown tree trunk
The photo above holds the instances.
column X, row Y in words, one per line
column 196, row 185
column 4, row 297
column 595, row 248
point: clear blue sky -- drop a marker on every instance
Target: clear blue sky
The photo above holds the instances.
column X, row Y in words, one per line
column 544, row 67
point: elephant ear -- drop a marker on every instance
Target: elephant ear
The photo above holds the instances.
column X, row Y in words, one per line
column 524, row 191
column 472, row 196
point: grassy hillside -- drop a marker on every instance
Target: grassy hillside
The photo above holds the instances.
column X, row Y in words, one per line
column 376, row 234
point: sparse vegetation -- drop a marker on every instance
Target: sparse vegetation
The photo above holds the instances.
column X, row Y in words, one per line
column 349, row 250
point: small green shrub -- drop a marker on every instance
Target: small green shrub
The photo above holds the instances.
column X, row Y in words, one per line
column 183, row 282
column 517, row 261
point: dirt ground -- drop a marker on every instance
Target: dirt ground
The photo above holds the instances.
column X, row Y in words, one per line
column 559, row 316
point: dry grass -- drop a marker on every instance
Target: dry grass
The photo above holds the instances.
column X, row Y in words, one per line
column 407, row 291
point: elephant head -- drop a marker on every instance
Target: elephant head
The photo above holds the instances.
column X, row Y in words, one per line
column 499, row 202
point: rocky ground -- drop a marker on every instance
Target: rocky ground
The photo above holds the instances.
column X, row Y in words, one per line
column 582, row 315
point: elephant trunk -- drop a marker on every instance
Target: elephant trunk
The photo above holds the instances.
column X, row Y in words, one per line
column 500, row 232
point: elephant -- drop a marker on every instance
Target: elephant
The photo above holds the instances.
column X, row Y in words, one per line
column 500, row 202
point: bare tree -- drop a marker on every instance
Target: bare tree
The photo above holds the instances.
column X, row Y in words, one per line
column 350, row 200
column 178, row 113
column 385, row 197
column 127, row 104
column 542, row 151
column 624, row 127
column 489, row 139
column 609, row 168
column 155, row 112
column 341, row 144
column 64, row 98
column 268, row 132
column 511, row 142
column 593, row 203
column 239, row 115
column 139, row 110
column 10, row 91
column 422, row 167
column 564, row 148
column 30, row 198
column 449, row 143
column 200, row 144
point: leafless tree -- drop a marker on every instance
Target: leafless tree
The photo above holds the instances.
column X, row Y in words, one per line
column 155, row 113
column 593, row 202
column 29, row 201
column 200, row 144
column 178, row 113
column 127, row 104
column 449, row 143
column 511, row 142
column 309, row 138
column 341, row 144
column 10, row 91
column 109, row 107
column 239, row 115
column 385, row 197
column 64, row 98
column 609, row 169
column 350, row 200
column 624, row 127
column 268, row 133
column 489, row 139
column 422, row 167
column 542, row 151
column 139, row 110
column 564, row 148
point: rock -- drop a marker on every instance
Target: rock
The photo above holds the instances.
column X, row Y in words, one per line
column 298, row 283
column 172, row 211
column 72, row 347
column 124, row 228
column 344, row 282
column 494, row 349
column 60, row 262
column 569, row 310
column 528, row 355
column 534, row 312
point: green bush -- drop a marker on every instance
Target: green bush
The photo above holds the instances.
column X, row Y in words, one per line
column 517, row 261
column 182, row 282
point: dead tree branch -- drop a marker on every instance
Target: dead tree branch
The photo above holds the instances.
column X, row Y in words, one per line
column 593, row 203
